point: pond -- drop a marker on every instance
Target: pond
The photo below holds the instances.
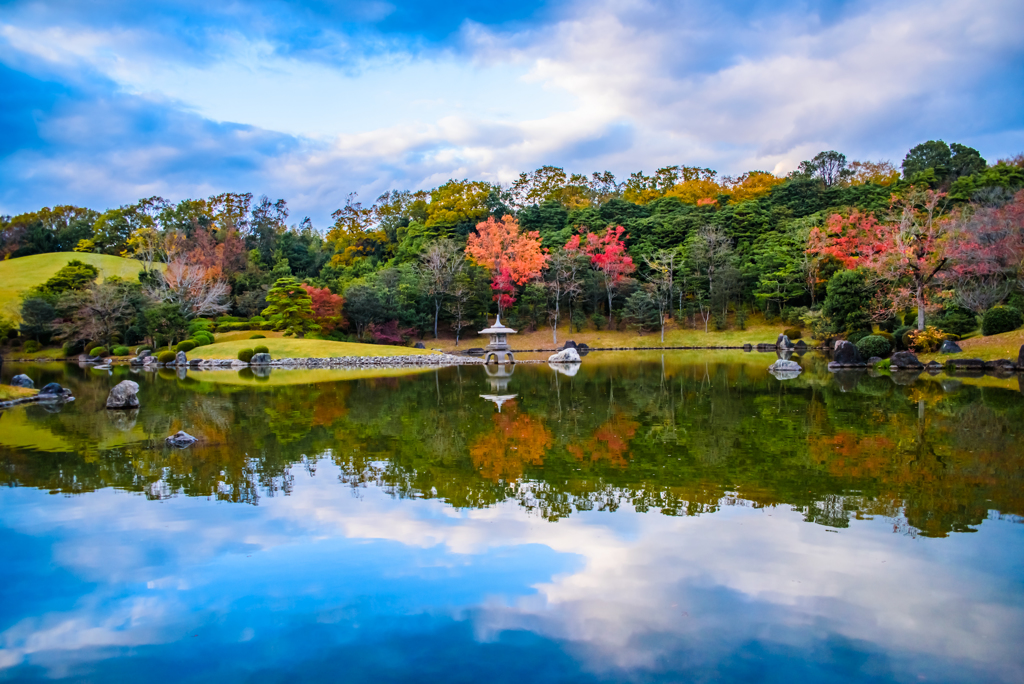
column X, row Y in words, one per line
column 651, row 518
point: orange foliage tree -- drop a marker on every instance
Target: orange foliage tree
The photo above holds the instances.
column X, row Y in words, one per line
column 516, row 440
column 326, row 308
column 512, row 256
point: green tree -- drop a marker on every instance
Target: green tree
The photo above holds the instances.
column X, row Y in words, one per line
column 37, row 316
column 290, row 307
column 76, row 275
column 164, row 323
column 845, row 309
column 965, row 161
column 933, row 154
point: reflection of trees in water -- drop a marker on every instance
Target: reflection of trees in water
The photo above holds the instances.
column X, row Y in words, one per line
column 679, row 439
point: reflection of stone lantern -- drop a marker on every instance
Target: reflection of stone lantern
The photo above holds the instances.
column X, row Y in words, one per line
column 499, row 342
column 498, row 378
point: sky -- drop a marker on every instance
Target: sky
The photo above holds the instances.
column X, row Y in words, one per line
column 105, row 102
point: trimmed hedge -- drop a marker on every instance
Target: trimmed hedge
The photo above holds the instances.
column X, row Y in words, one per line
column 185, row 346
column 1000, row 319
column 31, row 347
column 121, row 351
column 98, row 351
column 257, row 336
column 793, row 333
column 202, row 338
column 245, row 355
column 166, row 357
column 261, row 349
column 888, row 336
column 857, row 335
column 232, row 327
column 874, row 345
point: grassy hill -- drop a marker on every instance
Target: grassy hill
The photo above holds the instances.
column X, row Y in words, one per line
column 18, row 275
column 290, row 347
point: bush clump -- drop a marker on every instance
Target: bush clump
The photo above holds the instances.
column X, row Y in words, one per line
column 98, row 351
column 857, row 335
column 957, row 320
column 874, row 345
column 121, row 351
column 245, row 355
column 257, row 336
column 261, row 349
column 900, row 333
column 202, row 338
column 166, row 356
column 232, row 326
column 1000, row 319
column 31, row 346
column 185, row 346
column 793, row 333
column 888, row 336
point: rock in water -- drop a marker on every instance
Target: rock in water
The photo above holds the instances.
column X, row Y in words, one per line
column 52, row 388
column 22, row 380
column 949, row 347
column 262, row 359
column 180, row 440
column 569, row 344
column 419, row 345
column 123, row 395
column 180, row 359
column 846, row 354
column 569, row 355
column 143, row 353
column 783, row 342
column 904, row 359
column 1020, row 357
column 783, row 369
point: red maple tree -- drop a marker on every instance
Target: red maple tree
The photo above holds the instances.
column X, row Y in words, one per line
column 327, row 307
column 514, row 257
column 608, row 255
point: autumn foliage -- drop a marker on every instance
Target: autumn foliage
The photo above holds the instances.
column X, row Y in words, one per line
column 514, row 257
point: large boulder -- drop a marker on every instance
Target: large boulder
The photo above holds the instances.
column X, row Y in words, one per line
column 569, row 355
column 905, row 359
column 569, row 344
column 784, row 369
column 51, row 388
column 1020, row 357
column 262, row 359
column 783, row 342
column 419, row 345
column 22, row 380
column 949, row 347
column 180, row 359
column 124, row 395
column 846, row 354
column 180, row 440
column 143, row 353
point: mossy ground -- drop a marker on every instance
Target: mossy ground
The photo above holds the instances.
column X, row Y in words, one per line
column 1002, row 346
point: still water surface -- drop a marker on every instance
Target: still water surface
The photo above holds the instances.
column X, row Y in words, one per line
column 654, row 518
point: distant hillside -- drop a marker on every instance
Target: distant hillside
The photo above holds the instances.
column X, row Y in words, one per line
column 18, row 275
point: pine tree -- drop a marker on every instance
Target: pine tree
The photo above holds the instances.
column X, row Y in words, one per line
column 290, row 307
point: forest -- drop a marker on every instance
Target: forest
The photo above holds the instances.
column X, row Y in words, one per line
column 928, row 251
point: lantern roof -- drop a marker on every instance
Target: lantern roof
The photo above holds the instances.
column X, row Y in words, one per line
column 497, row 328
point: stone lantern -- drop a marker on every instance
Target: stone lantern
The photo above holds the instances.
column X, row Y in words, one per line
column 499, row 342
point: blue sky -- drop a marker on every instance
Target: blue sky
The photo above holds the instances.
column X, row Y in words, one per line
column 105, row 102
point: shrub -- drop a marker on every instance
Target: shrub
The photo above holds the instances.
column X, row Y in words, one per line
column 98, row 351
column 121, row 351
column 185, row 346
column 232, row 326
column 228, row 319
column 957, row 320
column 927, row 340
column 888, row 336
column 907, row 341
column 245, row 355
column 884, row 364
column 874, row 345
column 793, row 333
column 857, row 335
column 1000, row 319
column 31, row 346
column 599, row 321
column 200, row 324
column 166, row 356
column 260, row 349
column 257, row 336
column 900, row 333
column 202, row 338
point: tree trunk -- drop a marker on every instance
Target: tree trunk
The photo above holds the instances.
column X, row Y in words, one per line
column 437, row 313
column 609, row 307
column 554, row 328
column 920, row 306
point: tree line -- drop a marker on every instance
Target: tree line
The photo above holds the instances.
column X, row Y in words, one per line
column 836, row 247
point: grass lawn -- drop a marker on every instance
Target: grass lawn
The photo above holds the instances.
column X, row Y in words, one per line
column 304, row 377
column 1002, row 346
column 290, row 347
column 18, row 275
column 8, row 392
column 757, row 331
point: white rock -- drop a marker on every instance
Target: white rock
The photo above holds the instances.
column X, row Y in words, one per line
column 569, row 355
